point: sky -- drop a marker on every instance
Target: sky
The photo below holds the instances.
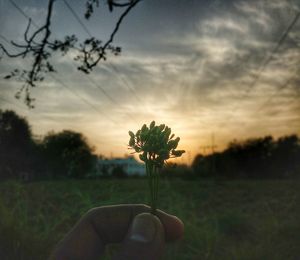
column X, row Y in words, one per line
column 212, row 70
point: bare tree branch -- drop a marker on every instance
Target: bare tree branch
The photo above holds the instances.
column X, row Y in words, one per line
column 40, row 47
column 91, row 57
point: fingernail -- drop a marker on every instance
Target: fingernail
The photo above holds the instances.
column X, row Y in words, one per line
column 143, row 228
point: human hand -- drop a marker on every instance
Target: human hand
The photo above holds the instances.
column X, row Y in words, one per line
column 142, row 235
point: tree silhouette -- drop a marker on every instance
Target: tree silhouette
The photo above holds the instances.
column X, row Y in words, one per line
column 68, row 154
column 39, row 45
column 254, row 158
column 287, row 155
column 16, row 145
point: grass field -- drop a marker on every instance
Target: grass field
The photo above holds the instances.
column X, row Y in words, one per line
column 231, row 220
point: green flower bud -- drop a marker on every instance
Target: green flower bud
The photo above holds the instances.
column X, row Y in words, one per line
column 176, row 142
column 131, row 134
column 144, row 128
column 131, row 141
column 138, row 136
column 171, row 144
column 152, row 124
column 161, row 127
column 156, row 131
column 168, row 132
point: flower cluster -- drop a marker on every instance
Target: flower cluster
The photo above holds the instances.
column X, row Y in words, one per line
column 155, row 144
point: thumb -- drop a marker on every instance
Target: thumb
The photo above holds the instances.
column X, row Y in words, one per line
column 144, row 240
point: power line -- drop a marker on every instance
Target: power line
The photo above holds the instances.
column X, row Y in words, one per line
column 125, row 82
column 22, row 12
column 275, row 49
column 286, row 84
column 101, row 89
column 84, row 100
column 91, row 80
column 266, row 62
column 4, row 38
column 115, row 70
column 107, row 95
column 78, row 18
column 268, row 101
column 90, row 34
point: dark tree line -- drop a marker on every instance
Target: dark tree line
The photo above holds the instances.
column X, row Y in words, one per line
column 57, row 155
column 67, row 154
column 253, row 158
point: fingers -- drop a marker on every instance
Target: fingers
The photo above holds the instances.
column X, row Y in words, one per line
column 105, row 225
column 113, row 222
column 82, row 242
column 144, row 240
column 173, row 226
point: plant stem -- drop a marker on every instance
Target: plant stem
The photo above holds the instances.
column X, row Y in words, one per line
column 156, row 184
column 149, row 176
column 155, row 188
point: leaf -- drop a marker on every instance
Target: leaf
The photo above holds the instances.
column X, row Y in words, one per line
column 161, row 127
column 131, row 142
column 171, row 144
column 178, row 153
column 144, row 128
column 131, row 134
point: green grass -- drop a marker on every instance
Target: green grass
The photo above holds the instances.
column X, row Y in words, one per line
column 231, row 220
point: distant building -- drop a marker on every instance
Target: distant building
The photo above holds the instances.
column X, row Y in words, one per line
column 129, row 166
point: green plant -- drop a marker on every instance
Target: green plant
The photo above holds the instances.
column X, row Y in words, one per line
column 155, row 145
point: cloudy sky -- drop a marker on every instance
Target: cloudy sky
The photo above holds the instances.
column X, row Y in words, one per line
column 227, row 69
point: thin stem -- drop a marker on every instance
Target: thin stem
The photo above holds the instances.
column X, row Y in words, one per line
column 155, row 180
column 154, row 189
column 153, row 186
column 157, row 183
column 150, row 180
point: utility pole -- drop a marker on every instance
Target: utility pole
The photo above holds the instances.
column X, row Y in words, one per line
column 204, row 147
column 189, row 157
column 212, row 148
